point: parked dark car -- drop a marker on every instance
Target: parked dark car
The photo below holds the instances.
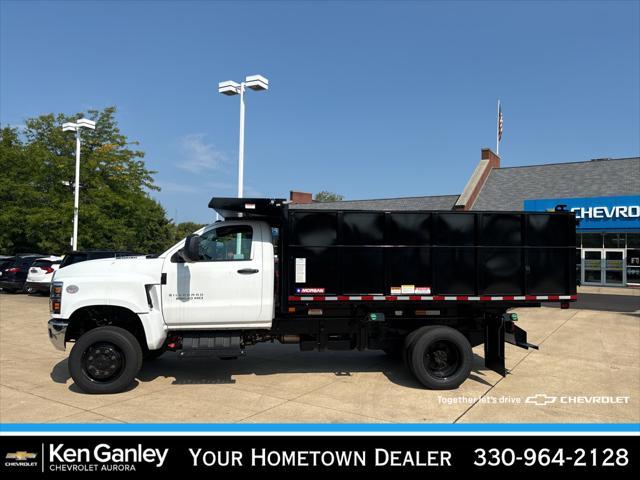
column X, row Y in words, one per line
column 78, row 256
column 14, row 271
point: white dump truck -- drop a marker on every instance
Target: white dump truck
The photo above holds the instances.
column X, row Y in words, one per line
column 426, row 286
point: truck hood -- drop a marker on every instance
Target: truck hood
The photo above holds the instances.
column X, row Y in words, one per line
column 142, row 268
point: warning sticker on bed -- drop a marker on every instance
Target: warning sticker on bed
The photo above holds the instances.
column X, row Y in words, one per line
column 423, row 290
column 407, row 289
column 396, row 290
column 301, row 270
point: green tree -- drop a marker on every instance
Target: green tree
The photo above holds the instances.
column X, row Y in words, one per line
column 325, row 196
column 185, row 228
column 36, row 189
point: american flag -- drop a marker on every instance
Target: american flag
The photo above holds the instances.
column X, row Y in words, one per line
column 500, row 123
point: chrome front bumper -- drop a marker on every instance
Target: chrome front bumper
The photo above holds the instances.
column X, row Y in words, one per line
column 57, row 332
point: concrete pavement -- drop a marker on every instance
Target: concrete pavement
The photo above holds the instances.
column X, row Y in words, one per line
column 582, row 354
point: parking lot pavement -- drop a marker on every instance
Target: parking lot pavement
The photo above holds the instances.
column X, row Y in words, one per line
column 585, row 358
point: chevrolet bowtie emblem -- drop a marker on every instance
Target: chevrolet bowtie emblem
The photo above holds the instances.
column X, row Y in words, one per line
column 21, row 455
column 541, row 399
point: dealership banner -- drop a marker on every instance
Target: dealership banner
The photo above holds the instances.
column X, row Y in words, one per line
column 595, row 213
column 409, row 455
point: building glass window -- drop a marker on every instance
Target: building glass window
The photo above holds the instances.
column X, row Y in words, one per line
column 591, row 240
column 633, row 265
column 633, row 240
column 578, row 264
column 614, row 240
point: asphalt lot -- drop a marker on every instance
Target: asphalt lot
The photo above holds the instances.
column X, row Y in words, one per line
column 583, row 353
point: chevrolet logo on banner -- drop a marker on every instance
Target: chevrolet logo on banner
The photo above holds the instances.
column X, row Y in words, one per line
column 541, row 399
column 21, row 456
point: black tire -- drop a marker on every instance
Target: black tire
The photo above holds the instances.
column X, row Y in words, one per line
column 441, row 358
column 112, row 348
column 409, row 340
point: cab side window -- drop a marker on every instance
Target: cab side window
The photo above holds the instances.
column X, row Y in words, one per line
column 226, row 244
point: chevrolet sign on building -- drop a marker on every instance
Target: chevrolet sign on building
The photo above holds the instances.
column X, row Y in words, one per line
column 596, row 213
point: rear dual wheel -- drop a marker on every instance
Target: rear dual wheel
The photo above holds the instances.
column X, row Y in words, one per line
column 440, row 357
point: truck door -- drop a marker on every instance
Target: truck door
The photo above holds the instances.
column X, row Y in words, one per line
column 221, row 290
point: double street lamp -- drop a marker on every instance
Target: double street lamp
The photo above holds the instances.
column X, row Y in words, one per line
column 254, row 82
column 75, row 127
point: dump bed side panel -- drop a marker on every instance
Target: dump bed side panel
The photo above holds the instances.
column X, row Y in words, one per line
column 439, row 253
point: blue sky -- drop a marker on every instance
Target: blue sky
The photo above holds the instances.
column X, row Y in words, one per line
column 368, row 99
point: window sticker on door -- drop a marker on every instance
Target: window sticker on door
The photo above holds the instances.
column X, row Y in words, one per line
column 301, row 270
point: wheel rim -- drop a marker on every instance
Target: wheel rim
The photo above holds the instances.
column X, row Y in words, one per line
column 103, row 362
column 442, row 359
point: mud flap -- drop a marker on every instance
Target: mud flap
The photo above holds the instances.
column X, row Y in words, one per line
column 494, row 336
column 497, row 332
column 517, row 336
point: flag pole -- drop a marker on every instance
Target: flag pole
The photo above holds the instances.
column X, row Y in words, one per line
column 498, row 130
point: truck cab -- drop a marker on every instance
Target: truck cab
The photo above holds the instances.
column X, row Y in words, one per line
column 228, row 283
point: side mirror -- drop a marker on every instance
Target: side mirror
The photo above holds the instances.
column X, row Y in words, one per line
column 191, row 250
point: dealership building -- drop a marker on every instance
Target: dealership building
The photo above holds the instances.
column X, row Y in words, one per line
column 603, row 193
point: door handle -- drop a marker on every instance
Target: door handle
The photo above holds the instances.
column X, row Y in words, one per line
column 248, row 271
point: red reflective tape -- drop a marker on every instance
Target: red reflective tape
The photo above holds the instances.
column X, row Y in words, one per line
column 462, row 298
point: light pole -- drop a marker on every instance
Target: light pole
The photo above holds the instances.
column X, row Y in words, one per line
column 254, row 82
column 75, row 127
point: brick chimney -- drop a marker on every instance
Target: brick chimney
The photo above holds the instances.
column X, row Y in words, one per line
column 488, row 161
column 300, row 197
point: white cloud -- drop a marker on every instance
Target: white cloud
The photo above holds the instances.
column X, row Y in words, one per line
column 201, row 156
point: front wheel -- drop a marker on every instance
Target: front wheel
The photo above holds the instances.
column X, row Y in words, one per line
column 440, row 358
column 105, row 360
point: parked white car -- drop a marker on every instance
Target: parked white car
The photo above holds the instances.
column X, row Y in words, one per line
column 41, row 273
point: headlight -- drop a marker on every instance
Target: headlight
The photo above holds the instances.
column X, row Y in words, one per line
column 55, row 297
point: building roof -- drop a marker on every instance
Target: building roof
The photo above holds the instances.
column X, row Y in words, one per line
column 439, row 202
column 507, row 188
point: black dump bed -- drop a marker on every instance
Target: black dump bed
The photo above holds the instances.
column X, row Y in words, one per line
column 419, row 255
